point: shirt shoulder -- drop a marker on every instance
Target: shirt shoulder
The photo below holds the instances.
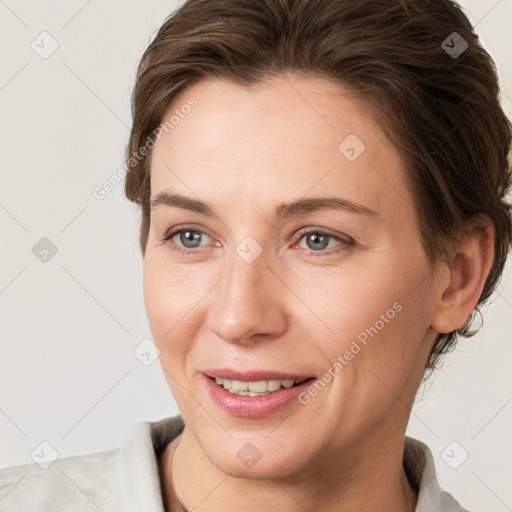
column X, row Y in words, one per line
column 420, row 468
column 450, row 504
column 81, row 482
column 123, row 479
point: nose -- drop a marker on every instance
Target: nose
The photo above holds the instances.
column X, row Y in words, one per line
column 249, row 301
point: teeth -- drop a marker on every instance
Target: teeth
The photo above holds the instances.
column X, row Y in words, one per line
column 273, row 385
column 255, row 388
column 260, row 386
column 239, row 385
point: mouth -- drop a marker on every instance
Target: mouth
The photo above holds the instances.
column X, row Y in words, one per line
column 257, row 387
column 254, row 382
column 258, row 394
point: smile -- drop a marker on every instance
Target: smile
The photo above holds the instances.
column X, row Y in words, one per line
column 255, row 388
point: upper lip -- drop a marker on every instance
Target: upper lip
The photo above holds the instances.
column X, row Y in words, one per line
column 253, row 375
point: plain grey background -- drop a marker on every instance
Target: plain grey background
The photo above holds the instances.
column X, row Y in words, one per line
column 71, row 326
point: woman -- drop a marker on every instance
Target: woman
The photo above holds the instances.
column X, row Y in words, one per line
column 322, row 187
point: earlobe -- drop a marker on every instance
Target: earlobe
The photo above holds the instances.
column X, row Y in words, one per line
column 468, row 270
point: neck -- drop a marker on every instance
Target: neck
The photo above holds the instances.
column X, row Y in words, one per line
column 369, row 479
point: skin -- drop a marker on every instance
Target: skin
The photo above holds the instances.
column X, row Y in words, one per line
column 244, row 152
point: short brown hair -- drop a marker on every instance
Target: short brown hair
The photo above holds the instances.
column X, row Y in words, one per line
column 441, row 110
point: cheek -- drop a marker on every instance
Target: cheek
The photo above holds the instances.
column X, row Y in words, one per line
column 383, row 373
column 372, row 354
column 376, row 299
column 377, row 321
column 174, row 297
column 169, row 305
column 169, row 298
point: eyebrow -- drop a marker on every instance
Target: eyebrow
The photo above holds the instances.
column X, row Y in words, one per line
column 299, row 207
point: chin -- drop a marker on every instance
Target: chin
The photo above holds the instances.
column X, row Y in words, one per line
column 254, row 456
column 273, row 467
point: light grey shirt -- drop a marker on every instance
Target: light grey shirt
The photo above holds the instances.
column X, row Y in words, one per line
column 127, row 479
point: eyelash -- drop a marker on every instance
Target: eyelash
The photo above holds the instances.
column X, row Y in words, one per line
column 348, row 242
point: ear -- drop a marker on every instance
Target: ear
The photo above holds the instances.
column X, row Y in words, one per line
column 469, row 267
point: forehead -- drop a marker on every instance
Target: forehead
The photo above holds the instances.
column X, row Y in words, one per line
column 277, row 140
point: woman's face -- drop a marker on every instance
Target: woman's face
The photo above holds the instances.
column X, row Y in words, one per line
column 352, row 300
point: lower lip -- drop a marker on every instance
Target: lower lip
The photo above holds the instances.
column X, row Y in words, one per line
column 245, row 406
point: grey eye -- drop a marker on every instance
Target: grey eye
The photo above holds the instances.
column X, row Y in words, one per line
column 191, row 237
column 317, row 240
